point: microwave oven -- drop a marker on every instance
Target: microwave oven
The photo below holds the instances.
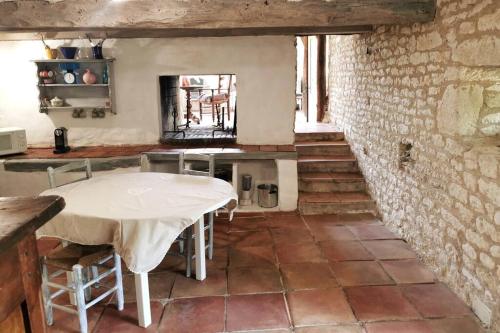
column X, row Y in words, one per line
column 12, row 140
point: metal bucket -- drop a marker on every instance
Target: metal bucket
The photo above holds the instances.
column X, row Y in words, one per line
column 268, row 195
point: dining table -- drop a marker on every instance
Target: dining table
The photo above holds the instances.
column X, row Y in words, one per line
column 141, row 214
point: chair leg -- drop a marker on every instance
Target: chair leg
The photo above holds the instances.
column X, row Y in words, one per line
column 189, row 250
column 119, row 283
column 181, row 243
column 210, row 235
column 86, row 278
column 201, row 112
column 47, row 302
column 95, row 274
column 80, row 297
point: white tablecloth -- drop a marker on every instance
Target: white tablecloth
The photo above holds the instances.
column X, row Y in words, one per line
column 141, row 214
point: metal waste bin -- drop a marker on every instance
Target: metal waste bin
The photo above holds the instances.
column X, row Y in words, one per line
column 268, row 195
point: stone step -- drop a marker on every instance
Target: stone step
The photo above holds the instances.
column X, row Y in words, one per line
column 335, row 203
column 322, row 163
column 319, row 136
column 331, row 182
column 322, row 148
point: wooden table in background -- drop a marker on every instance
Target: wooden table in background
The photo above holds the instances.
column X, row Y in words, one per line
column 20, row 278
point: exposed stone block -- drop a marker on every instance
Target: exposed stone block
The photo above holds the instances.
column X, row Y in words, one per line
column 495, row 251
column 488, row 164
column 490, row 189
column 458, row 111
column 491, row 119
column 486, row 261
column 491, row 130
column 469, row 251
column 481, row 51
column 429, row 41
column 490, row 22
column 458, row 192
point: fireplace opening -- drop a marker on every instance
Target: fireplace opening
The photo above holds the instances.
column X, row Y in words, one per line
column 198, row 109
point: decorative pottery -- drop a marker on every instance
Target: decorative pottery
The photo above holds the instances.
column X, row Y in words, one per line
column 50, row 53
column 68, row 51
column 89, row 77
column 57, row 102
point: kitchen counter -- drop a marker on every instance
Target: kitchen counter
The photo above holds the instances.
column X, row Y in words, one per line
column 112, row 157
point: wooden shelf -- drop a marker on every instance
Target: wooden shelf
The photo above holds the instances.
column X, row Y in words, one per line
column 77, row 95
column 74, row 60
column 63, row 108
column 74, row 85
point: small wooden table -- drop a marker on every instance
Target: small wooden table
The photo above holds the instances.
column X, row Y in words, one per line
column 189, row 106
column 20, row 277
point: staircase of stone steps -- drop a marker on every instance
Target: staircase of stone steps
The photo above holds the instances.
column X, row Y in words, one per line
column 329, row 179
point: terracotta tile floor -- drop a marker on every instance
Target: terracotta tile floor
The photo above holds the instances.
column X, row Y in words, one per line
column 277, row 273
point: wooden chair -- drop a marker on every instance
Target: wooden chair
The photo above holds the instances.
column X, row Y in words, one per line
column 77, row 261
column 188, row 235
column 215, row 101
column 85, row 164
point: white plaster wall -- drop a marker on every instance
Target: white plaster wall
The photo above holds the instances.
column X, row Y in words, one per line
column 265, row 68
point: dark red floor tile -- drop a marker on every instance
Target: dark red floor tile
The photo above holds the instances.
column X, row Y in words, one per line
column 160, row 285
column 250, row 239
column 342, row 251
column 307, row 276
column 202, row 314
column 252, row 280
column 256, row 312
column 320, row 306
column 380, row 303
column 214, row 285
column 360, row 273
column 331, row 219
column 435, row 300
column 114, row 321
column 419, row 326
column 455, row 325
column 299, row 253
column 408, row 271
column 372, row 232
column 330, row 329
column 252, row 256
column 389, row 249
column 291, row 221
column 221, row 238
column 325, row 232
column 255, row 223
column 283, row 236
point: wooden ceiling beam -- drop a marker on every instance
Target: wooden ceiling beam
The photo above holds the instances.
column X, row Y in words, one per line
column 50, row 33
column 217, row 17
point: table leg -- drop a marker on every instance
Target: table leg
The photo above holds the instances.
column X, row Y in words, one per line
column 32, row 282
column 142, row 296
column 199, row 247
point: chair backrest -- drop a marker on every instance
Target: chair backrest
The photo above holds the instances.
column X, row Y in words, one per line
column 208, row 158
column 79, row 165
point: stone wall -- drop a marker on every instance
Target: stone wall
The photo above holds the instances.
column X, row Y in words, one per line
column 420, row 106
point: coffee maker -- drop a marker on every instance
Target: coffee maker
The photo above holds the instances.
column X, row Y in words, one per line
column 61, row 140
